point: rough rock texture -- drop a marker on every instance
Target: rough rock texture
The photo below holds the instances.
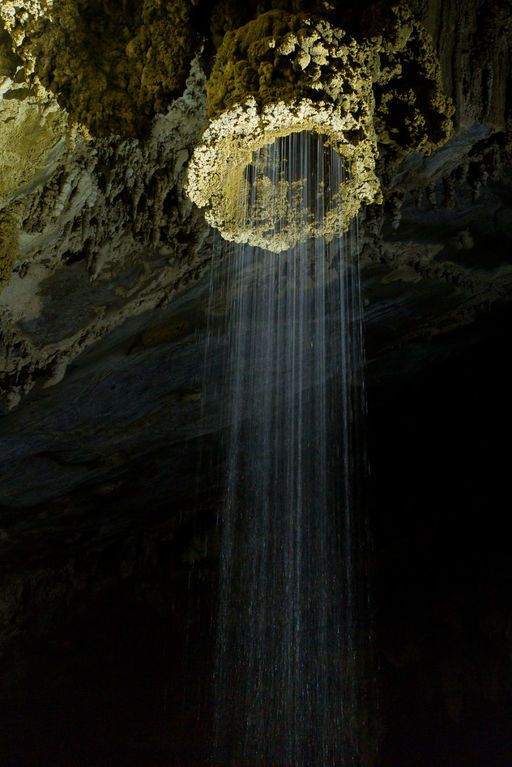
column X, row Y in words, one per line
column 112, row 65
column 106, row 230
column 103, row 333
column 278, row 74
column 286, row 72
column 278, row 56
column 108, row 235
column 32, row 128
column 474, row 43
column 8, row 247
column 412, row 111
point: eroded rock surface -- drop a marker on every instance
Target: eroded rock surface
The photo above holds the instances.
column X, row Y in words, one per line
column 107, row 234
column 105, row 231
column 103, row 326
column 111, row 65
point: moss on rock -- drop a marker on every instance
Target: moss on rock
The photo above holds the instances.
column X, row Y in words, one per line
column 288, row 72
column 412, row 112
column 112, row 64
column 8, row 246
column 8, row 59
column 279, row 74
column 30, row 128
column 29, row 132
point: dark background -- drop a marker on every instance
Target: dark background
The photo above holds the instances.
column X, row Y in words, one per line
column 121, row 674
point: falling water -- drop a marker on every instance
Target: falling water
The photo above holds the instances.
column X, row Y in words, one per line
column 288, row 679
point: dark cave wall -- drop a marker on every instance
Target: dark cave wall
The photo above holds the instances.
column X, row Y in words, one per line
column 443, row 575
column 108, row 582
column 104, row 232
column 116, row 648
column 106, row 641
column 473, row 40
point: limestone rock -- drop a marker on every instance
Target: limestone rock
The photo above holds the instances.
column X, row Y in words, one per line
column 112, row 65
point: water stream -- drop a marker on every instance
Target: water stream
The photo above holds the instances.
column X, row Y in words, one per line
column 291, row 629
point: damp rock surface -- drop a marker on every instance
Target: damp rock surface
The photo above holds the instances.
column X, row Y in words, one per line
column 112, row 66
column 103, row 327
column 282, row 74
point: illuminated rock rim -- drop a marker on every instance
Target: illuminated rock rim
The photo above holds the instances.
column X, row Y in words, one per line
column 278, row 75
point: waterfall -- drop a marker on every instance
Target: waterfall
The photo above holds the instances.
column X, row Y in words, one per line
column 291, row 630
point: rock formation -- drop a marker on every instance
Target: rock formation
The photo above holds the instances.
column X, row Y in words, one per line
column 103, row 267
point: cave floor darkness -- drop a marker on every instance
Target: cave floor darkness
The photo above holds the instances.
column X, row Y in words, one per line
column 443, row 572
column 121, row 679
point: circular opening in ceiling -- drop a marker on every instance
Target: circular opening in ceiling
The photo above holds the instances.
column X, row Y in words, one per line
column 248, row 152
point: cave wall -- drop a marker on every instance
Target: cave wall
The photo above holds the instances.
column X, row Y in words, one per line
column 99, row 229
column 109, row 255
column 103, row 329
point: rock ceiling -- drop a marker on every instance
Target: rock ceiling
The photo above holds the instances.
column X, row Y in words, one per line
column 103, row 318
column 104, row 275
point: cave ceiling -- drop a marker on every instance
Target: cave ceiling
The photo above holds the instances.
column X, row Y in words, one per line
column 104, row 259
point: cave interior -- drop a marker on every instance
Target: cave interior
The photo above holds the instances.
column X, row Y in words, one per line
column 111, row 466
